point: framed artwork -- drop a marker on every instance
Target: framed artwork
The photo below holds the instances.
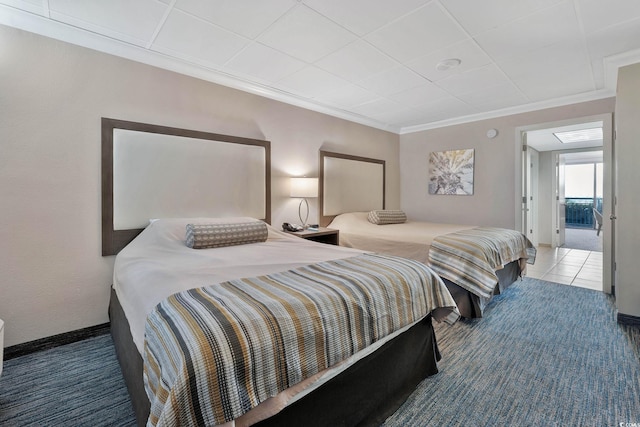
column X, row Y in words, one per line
column 451, row 172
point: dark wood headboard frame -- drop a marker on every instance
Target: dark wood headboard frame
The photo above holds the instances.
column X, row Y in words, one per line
column 326, row 219
column 114, row 240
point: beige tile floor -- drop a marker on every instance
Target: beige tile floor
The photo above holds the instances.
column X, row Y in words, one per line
column 573, row 267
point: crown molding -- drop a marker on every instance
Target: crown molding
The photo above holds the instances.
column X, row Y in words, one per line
column 526, row 108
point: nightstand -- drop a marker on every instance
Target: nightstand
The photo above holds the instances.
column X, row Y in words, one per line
column 322, row 235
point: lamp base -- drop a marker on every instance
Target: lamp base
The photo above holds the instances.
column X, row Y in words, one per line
column 303, row 222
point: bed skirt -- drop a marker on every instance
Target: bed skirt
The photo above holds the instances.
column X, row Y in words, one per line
column 365, row 394
column 472, row 306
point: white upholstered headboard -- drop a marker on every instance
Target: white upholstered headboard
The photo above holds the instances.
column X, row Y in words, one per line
column 151, row 171
column 349, row 184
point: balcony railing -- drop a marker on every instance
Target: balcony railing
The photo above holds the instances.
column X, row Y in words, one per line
column 579, row 211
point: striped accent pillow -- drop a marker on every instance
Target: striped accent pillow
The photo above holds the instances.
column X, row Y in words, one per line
column 382, row 217
column 203, row 236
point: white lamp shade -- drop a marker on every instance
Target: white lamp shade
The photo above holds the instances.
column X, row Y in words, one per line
column 304, row 187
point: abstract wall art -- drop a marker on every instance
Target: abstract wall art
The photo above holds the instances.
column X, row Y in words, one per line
column 451, row 172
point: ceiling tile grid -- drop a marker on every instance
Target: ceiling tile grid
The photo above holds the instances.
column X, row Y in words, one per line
column 133, row 22
column 264, row 63
column 236, row 16
column 195, row 39
column 377, row 60
column 425, row 30
column 306, row 35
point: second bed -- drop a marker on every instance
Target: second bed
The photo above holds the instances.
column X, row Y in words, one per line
column 475, row 262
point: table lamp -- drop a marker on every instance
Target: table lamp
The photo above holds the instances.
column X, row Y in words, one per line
column 304, row 188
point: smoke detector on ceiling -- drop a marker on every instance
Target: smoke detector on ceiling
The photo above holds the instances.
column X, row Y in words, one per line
column 447, row 64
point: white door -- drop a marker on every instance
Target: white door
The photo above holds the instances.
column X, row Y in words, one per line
column 560, row 201
column 530, row 166
column 533, row 168
column 609, row 198
column 525, row 187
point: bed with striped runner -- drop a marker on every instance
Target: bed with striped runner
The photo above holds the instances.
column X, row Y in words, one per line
column 213, row 353
column 470, row 258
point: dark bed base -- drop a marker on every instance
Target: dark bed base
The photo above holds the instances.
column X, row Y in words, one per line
column 472, row 306
column 363, row 395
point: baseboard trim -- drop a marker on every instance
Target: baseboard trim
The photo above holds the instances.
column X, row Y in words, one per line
column 629, row 320
column 55, row 341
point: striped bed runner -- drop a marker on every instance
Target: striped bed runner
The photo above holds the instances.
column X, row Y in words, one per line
column 213, row 353
column 470, row 258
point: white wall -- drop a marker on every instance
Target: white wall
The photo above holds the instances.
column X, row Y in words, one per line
column 627, row 148
column 52, row 97
column 495, row 175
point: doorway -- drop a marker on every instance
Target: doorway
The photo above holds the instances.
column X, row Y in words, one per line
column 583, row 184
column 543, row 208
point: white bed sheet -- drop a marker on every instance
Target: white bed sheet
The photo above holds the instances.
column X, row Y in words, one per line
column 157, row 264
column 411, row 239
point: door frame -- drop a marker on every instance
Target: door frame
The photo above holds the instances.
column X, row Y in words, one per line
column 530, row 193
column 608, row 243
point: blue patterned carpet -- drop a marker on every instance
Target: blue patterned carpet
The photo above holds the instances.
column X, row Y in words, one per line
column 77, row 384
column 545, row 355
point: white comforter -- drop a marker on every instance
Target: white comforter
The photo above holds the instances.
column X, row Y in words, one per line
column 157, row 264
column 411, row 239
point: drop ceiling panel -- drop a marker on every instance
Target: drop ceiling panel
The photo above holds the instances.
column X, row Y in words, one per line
column 543, row 28
column 421, row 32
column 537, row 89
column 446, row 108
column 347, row 96
column 597, row 70
column 264, row 63
column 197, row 40
column 392, row 81
column 134, row 22
column 377, row 107
column 400, row 116
column 479, row 16
column 420, row 95
column 306, row 35
column 356, row 61
column 364, row 16
column 248, row 18
column 566, row 64
column 310, row 82
column 599, row 14
column 614, row 40
column 32, row 6
column 489, row 75
column 494, row 96
column 467, row 51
